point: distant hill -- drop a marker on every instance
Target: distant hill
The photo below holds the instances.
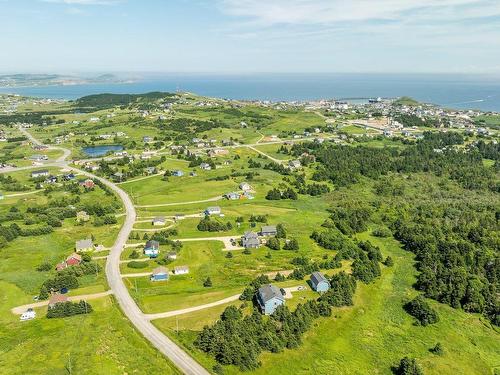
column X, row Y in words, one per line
column 111, row 100
column 29, row 80
column 406, row 100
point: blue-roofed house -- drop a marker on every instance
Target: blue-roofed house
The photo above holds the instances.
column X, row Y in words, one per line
column 269, row 297
column 159, row 274
column 152, row 248
column 178, row 173
column 319, row 282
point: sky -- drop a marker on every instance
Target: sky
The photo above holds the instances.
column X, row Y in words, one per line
column 248, row 36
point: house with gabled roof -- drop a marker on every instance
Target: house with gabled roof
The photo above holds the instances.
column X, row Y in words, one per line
column 319, row 282
column 269, row 298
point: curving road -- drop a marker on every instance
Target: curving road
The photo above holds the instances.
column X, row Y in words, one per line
column 166, row 346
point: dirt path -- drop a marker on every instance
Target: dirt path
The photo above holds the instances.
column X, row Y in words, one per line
column 20, row 309
column 226, row 240
column 214, row 199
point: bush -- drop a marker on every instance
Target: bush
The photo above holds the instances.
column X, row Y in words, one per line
column 44, row 267
column 422, row 311
column 207, row 283
column 408, row 366
column 61, row 310
column 437, row 349
column 388, row 262
column 273, row 243
column 134, row 254
column 291, row 244
column 382, row 232
column 137, row 264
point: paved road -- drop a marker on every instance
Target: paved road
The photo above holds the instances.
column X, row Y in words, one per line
column 20, row 309
column 166, row 346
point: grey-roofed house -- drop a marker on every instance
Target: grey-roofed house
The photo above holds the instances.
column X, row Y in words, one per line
column 40, row 173
column 158, row 221
column 84, row 245
column 152, row 248
column 319, row 282
column 269, row 297
column 215, row 210
column 268, row 230
column 250, row 240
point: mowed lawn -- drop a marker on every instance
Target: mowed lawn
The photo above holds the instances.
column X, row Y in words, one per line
column 375, row 333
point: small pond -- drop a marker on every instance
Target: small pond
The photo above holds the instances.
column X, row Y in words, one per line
column 101, row 150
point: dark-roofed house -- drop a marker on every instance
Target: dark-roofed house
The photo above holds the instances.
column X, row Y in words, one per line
column 250, row 240
column 268, row 230
column 40, row 173
column 159, row 274
column 319, row 282
column 152, row 248
column 57, row 298
column 269, row 297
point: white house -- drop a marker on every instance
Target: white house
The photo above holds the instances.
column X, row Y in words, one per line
column 181, row 270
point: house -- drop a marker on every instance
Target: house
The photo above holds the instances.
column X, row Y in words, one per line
column 247, row 195
column 172, row 255
column 38, row 157
column 28, row 315
column 388, row 133
column 319, row 282
column 82, row 216
column 57, row 298
column 88, row 183
column 250, row 240
column 215, row 210
column 159, row 274
column 84, row 245
column 152, row 248
column 51, row 180
column 94, row 119
column 294, row 164
column 61, row 266
column 181, row 270
column 179, row 216
column 2, row 196
column 74, row 259
column 69, row 177
column 147, row 139
column 118, row 176
column 205, row 166
column 268, row 230
column 269, row 297
column 233, row 196
column 150, row 170
column 40, row 173
column 245, row 186
column 158, row 221
column 178, row 173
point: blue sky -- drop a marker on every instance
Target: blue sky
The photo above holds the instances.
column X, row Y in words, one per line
column 239, row 36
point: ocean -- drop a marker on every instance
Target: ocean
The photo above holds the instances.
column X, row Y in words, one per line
column 451, row 91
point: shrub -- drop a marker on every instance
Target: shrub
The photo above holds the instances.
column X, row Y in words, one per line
column 137, row 264
column 61, row 310
column 422, row 311
column 44, row 267
column 408, row 366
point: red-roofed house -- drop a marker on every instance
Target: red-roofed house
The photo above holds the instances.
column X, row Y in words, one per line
column 57, row 298
column 74, row 259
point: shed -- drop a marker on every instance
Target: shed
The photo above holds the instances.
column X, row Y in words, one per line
column 319, row 282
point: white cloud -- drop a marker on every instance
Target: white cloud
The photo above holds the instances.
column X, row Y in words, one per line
column 303, row 12
column 82, row 2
